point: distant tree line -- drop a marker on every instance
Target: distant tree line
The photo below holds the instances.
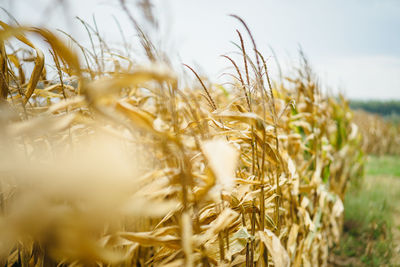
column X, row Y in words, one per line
column 384, row 108
column 390, row 110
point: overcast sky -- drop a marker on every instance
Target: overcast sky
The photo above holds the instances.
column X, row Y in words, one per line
column 354, row 45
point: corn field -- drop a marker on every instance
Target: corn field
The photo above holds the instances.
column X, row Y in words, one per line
column 380, row 137
column 119, row 162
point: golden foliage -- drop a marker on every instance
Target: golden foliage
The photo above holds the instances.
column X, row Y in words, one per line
column 129, row 167
column 380, row 137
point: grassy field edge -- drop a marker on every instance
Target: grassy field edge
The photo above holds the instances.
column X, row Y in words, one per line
column 371, row 235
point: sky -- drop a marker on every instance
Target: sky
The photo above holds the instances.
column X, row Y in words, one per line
column 353, row 45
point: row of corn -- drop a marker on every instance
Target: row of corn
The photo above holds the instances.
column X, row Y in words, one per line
column 107, row 161
column 380, row 136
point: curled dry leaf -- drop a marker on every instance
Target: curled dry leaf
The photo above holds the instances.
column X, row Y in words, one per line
column 279, row 255
column 222, row 158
